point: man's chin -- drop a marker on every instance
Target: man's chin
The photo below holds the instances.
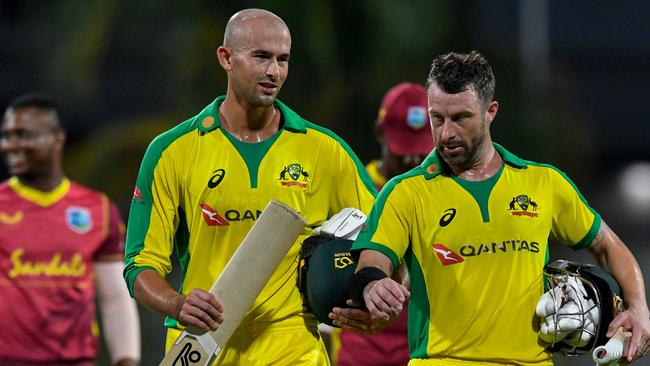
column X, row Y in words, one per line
column 264, row 100
column 454, row 159
column 17, row 170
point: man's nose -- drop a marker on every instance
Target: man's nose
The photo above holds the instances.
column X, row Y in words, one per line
column 447, row 130
column 273, row 69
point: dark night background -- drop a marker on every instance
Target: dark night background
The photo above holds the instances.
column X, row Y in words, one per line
column 572, row 82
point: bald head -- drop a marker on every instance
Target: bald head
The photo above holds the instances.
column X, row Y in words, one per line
column 242, row 25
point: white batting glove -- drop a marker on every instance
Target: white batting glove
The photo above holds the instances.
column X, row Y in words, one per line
column 568, row 314
column 346, row 224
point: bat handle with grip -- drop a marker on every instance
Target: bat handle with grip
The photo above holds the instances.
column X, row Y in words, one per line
column 612, row 351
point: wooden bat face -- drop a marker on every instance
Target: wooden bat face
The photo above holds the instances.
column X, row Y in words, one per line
column 237, row 286
column 189, row 351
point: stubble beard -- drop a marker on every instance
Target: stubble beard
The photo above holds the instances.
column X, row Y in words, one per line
column 470, row 154
column 261, row 100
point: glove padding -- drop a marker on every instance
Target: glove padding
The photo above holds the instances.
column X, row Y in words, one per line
column 346, row 224
column 567, row 313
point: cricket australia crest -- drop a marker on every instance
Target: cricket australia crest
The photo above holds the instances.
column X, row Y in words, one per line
column 294, row 175
column 520, row 205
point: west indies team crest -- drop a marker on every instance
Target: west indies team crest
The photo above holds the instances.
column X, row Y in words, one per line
column 78, row 219
column 523, row 205
column 294, row 175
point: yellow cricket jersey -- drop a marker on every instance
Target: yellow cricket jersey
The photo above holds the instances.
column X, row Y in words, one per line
column 200, row 190
column 475, row 253
column 377, row 178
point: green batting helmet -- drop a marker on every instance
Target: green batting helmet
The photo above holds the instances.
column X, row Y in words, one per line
column 325, row 269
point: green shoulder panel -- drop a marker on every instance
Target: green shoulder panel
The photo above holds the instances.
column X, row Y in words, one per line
column 361, row 169
column 141, row 204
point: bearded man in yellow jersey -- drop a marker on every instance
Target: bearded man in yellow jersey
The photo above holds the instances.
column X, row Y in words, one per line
column 203, row 184
column 472, row 223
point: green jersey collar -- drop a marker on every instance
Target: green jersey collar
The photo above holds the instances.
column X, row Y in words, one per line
column 208, row 119
column 434, row 165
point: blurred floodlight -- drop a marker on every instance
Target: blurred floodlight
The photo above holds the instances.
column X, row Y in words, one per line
column 635, row 184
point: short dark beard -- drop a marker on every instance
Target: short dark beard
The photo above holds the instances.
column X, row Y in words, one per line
column 471, row 155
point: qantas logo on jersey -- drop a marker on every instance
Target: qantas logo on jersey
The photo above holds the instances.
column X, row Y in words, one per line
column 447, row 256
column 78, row 219
column 294, row 175
column 54, row 267
column 212, row 217
column 504, row 246
column 8, row 219
column 137, row 194
column 520, row 205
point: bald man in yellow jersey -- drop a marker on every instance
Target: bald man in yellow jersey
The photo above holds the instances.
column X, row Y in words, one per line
column 203, row 184
column 472, row 223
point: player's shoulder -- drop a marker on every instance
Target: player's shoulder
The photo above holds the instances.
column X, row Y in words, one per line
column 540, row 171
column 204, row 122
column 312, row 132
column 323, row 134
column 5, row 191
column 4, row 186
column 168, row 137
column 544, row 170
column 409, row 181
column 78, row 190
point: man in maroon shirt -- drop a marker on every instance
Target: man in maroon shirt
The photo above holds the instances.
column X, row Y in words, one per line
column 60, row 243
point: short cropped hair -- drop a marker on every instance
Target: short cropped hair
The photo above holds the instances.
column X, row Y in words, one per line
column 456, row 72
column 39, row 101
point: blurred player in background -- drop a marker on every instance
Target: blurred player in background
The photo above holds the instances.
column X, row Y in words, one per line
column 472, row 223
column 404, row 133
column 203, row 183
column 60, row 245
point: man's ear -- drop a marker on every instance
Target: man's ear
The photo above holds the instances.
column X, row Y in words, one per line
column 491, row 111
column 224, row 56
column 59, row 139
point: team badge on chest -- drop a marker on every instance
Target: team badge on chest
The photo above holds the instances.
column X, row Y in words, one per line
column 522, row 205
column 294, row 175
column 78, row 219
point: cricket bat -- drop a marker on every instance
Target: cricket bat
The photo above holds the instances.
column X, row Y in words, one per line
column 612, row 351
column 240, row 283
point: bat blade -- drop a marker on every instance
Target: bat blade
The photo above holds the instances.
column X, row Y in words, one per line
column 241, row 281
column 188, row 350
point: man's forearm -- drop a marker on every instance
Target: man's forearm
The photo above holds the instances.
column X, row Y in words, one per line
column 155, row 293
column 627, row 272
column 611, row 253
